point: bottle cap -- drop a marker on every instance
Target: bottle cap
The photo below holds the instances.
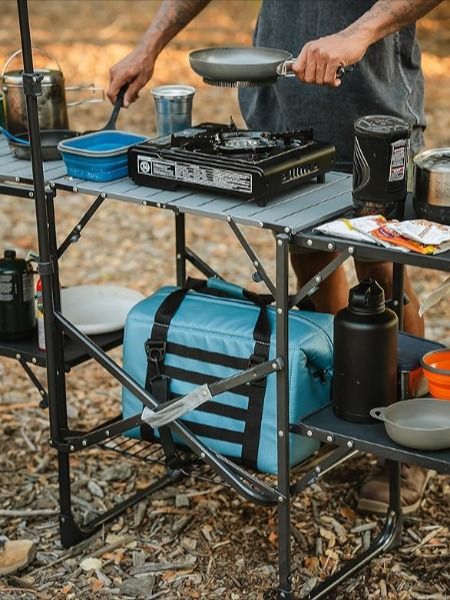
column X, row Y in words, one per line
column 366, row 298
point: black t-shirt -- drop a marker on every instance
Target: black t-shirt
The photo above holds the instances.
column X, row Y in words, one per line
column 388, row 80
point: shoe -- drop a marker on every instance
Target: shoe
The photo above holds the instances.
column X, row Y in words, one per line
column 374, row 493
column 16, row 555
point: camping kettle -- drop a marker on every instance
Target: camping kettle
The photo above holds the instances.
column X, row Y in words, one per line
column 365, row 354
column 52, row 105
column 17, row 312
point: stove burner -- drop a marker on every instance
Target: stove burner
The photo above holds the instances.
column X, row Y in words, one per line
column 251, row 141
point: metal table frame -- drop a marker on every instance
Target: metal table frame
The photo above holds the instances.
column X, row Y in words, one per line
column 291, row 218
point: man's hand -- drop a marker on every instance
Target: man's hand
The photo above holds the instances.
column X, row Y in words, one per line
column 136, row 69
column 320, row 59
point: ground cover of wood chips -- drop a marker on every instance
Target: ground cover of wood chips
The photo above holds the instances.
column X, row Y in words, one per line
column 197, row 539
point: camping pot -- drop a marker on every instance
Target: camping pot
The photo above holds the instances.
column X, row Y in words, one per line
column 52, row 105
column 432, row 185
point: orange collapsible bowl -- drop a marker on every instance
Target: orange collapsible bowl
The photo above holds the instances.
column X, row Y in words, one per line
column 436, row 368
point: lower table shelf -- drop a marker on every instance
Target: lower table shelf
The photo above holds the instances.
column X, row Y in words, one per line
column 74, row 354
column 368, row 437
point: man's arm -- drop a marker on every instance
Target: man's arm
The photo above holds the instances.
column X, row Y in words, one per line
column 319, row 60
column 137, row 67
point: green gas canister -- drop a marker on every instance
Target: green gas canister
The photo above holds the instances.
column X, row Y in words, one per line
column 17, row 311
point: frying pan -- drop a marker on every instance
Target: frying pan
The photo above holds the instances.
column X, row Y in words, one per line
column 240, row 66
column 50, row 138
column 420, row 423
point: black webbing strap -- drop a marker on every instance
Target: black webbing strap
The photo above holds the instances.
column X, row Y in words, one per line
column 257, row 390
column 158, row 376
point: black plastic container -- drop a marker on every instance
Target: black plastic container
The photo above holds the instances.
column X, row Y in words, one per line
column 17, row 311
column 380, row 165
column 365, row 354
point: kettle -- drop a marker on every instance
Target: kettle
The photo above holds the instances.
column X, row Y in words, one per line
column 365, row 354
column 17, row 312
column 52, row 105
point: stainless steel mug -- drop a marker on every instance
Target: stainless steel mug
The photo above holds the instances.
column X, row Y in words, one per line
column 173, row 108
column 52, row 105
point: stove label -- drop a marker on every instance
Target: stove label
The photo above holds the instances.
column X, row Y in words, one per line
column 200, row 175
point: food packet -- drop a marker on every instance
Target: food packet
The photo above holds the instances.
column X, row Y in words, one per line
column 354, row 229
column 422, row 231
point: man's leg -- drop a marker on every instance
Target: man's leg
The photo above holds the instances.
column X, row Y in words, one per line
column 382, row 272
column 332, row 294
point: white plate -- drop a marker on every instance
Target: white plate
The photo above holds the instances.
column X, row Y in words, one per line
column 97, row 309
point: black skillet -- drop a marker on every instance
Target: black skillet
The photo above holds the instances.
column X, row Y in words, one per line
column 50, row 138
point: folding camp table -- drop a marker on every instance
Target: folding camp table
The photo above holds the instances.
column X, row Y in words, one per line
column 291, row 218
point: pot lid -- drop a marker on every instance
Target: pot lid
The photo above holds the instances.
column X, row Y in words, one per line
column 437, row 159
column 50, row 77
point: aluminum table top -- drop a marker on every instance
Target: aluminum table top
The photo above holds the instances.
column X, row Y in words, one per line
column 293, row 211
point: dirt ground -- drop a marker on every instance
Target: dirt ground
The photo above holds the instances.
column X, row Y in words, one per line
column 198, row 540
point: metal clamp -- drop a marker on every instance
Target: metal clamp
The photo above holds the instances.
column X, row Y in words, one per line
column 32, row 84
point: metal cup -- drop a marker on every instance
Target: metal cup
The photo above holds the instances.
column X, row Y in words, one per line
column 173, row 108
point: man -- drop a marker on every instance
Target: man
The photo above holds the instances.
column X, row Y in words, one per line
column 378, row 36
column 15, row 555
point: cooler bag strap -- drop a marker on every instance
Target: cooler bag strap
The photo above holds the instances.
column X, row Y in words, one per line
column 158, row 383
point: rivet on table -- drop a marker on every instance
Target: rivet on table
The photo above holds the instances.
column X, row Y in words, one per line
column 280, row 311
column 281, row 433
column 317, row 469
column 158, row 204
column 309, row 242
column 279, row 242
column 330, row 246
column 75, row 189
column 144, row 202
column 18, row 356
column 202, row 455
column 309, row 433
column 229, row 219
column 78, row 227
column 33, row 360
column 318, row 279
column 107, row 433
column 330, row 439
column 287, row 230
column 31, row 194
column 280, row 499
column 71, row 448
column 274, row 366
column 178, row 256
column 255, row 263
column 351, row 250
column 261, row 224
column 350, row 444
column 103, row 194
column 84, row 443
column 17, row 178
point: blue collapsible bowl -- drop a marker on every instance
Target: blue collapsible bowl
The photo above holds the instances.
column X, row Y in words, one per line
column 99, row 156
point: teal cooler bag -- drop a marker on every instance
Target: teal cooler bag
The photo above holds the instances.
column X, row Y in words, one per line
column 199, row 337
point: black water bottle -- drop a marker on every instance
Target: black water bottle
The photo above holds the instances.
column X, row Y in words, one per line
column 365, row 354
column 17, row 311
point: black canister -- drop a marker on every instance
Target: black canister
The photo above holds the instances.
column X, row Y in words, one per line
column 17, row 312
column 380, row 165
column 365, row 354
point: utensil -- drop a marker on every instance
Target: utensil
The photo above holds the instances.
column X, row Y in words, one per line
column 436, row 368
column 95, row 309
column 49, row 143
column 52, row 105
column 52, row 137
column 419, row 423
column 432, row 185
column 240, row 66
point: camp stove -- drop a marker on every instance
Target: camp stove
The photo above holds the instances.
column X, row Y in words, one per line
column 247, row 164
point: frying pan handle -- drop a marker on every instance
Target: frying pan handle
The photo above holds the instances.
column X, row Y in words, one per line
column 284, row 69
column 378, row 413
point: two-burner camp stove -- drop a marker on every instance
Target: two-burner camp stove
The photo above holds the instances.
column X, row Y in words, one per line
column 221, row 158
